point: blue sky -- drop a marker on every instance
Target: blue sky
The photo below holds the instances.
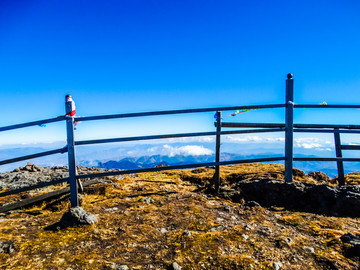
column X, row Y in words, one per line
column 131, row 56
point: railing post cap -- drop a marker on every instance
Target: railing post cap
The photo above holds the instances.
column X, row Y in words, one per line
column 68, row 98
column 289, row 76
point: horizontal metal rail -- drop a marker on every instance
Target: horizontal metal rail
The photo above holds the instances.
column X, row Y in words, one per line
column 252, row 125
column 320, row 106
column 34, row 123
column 46, row 196
column 312, row 130
column 281, row 125
column 169, row 136
column 42, row 154
column 127, row 115
column 40, row 185
column 326, row 159
column 185, row 166
column 350, row 147
column 326, row 126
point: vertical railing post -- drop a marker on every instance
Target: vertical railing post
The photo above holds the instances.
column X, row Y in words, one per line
column 289, row 128
column 217, row 151
column 340, row 164
column 70, row 112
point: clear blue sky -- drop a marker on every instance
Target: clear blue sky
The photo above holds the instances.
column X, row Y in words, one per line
column 130, row 56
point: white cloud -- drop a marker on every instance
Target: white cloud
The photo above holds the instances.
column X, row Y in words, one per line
column 193, row 139
column 313, row 143
column 244, row 139
column 187, row 150
column 307, row 145
column 251, row 139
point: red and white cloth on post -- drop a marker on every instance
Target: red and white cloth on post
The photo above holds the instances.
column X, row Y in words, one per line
column 73, row 108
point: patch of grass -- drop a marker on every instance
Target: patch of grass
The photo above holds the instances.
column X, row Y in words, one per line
column 223, row 234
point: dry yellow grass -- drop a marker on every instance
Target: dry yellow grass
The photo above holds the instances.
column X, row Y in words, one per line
column 220, row 234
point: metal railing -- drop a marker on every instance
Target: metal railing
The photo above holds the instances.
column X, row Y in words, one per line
column 288, row 127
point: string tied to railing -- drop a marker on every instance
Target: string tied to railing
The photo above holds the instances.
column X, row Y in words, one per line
column 216, row 116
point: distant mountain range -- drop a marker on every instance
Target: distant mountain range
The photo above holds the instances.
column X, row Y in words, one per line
column 138, row 156
column 132, row 163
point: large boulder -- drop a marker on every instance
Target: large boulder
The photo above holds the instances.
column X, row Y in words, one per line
column 297, row 196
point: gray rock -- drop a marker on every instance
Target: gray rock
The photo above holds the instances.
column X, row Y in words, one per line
column 287, row 240
column 163, row 230
column 308, row 249
column 112, row 209
column 77, row 216
column 7, row 247
column 115, row 266
column 175, row 266
column 147, row 200
column 186, row 233
column 217, row 229
column 245, row 236
column 277, row 265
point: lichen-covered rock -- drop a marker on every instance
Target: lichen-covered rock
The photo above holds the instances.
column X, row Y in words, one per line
column 77, row 216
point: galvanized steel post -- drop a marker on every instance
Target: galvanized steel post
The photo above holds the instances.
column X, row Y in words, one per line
column 69, row 108
column 217, row 151
column 340, row 164
column 289, row 128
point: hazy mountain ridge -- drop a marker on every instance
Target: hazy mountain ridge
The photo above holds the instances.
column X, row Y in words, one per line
column 131, row 163
column 138, row 156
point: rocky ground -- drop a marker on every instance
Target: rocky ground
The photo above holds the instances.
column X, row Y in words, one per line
column 170, row 220
column 32, row 174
